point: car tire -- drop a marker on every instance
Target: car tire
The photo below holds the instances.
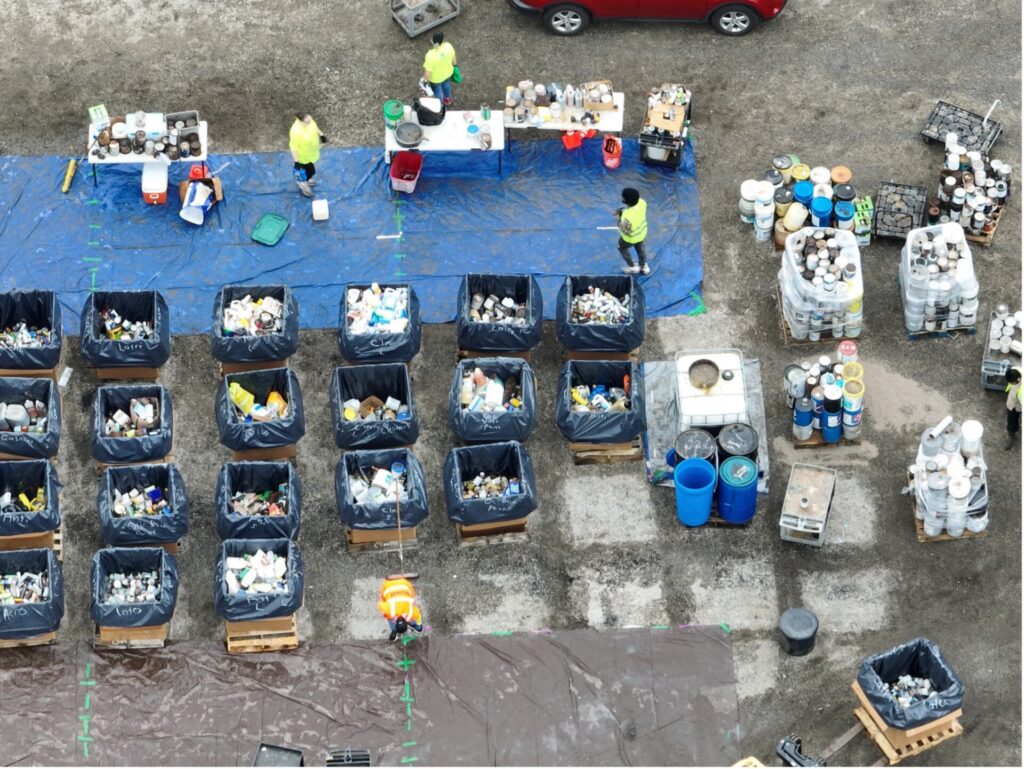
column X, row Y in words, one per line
column 566, row 20
column 734, row 20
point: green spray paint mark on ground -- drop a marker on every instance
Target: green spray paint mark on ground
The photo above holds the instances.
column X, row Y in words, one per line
column 409, row 760
column 93, row 242
column 660, row 627
column 92, row 202
column 92, row 258
column 700, row 309
column 406, row 663
column 95, row 226
column 88, row 700
column 725, row 627
column 84, row 739
column 502, row 632
column 408, row 744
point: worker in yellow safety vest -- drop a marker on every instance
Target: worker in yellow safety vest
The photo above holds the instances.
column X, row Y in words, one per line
column 304, row 140
column 1014, row 385
column 439, row 66
column 398, row 605
column 633, row 231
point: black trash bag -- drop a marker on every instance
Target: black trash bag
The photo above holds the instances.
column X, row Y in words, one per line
column 25, row 620
column 605, row 426
column 33, row 445
column 361, row 382
column 34, row 308
column 465, row 463
column 148, row 529
column 239, row 436
column 485, row 426
column 919, row 658
column 154, row 445
column 251, row 348
column 99, row 351
column 601, row 337
column 28, row 477
column 258, row 477
column 380, row 348
column 500, row 337
column 382, row 515
column 245, row 606
column 128, row 560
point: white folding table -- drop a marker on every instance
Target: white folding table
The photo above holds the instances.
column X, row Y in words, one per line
column 610, row 121
column 130, row 158
column 452, row 135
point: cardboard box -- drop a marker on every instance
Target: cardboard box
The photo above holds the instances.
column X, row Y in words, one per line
column 598, row 105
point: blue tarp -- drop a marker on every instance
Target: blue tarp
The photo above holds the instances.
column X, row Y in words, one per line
column 540, row 216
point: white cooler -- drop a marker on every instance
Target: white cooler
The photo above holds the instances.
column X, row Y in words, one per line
column 154, row 182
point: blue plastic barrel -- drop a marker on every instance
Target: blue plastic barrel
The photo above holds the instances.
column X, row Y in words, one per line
column 695, row 488
column 737, row 490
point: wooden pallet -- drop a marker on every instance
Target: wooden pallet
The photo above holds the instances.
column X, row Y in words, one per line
column 169, row 547
column 231, row 367
column 165, row 460
column 128, row 374
column 265, row 635
column 495, row 533
column 943, row 537
column 44, row 639
column 289, row 452
column 985, row 239
column 632, row 355
column 899, row 744
column 605, row 453
column 46, row 373
column 146, row 637
column 817, row 441
column 951, row 333
column 463, row 354
column 48, row 540
column 5, row 457
column 382, row 541
column 787, row 333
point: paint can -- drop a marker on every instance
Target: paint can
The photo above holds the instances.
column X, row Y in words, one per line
column 781, row 233
column 823, row 191
column 737, row 440
column 783, row 200
column 818, row 401
column 794, row 380
column 821, row 212
column 841, row 174
column 951, row 438
column 774, row 177
column 844, row 215
column 764, row 193
column 847, row 352
column 798, row 629
column 800, row 172
column 977, row 522
column 737, row 490
column 803, row 416
column 853, row 395
column 938, row 484
column 762, row 234
column 795, row 217
column 932, row 523
column 852, row 423
column 748, row 191
column 820, row 175
column 832, row 426
column 970, row 437
column 784, row 165
column 844, row 193
column 853, row 370
column 803, row 192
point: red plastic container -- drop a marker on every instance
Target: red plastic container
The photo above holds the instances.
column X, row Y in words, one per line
column 405, row 171
column 572, row 140
column 611, row 150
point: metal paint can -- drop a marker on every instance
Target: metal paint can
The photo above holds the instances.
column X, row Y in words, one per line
column 794, row 383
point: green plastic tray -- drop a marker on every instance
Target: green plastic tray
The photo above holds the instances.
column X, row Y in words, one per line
column 270, row 229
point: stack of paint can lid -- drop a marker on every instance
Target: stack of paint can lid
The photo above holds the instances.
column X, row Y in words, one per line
column 827, row 396
column 972, row 190
column 949, row 479
column 791, row 193
column 821, row 284
column 940, row 290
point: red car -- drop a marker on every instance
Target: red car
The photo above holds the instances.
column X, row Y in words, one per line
column 728, row 17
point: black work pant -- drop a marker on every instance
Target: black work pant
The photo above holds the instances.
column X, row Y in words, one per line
column 641, row 252
column 1012, row 421
column 309, row 168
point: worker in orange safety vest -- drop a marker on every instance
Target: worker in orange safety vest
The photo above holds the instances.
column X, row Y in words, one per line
column 398, row 605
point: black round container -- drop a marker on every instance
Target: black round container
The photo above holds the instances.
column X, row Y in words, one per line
column 798, row 629
column 844, row 192
column 696, row 444
column 737, row 440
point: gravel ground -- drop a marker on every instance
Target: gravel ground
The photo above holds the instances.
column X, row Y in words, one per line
column 831, row 80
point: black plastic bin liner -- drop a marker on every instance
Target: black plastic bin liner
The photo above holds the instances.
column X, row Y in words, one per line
column 509, row 459
column 128, row 560
column 380, row 348
column 919, row 658
column 258, row 477
column 35, row 308
column 28, row 477
column 101, row 352
column 605, row 426
column 149, row 529
column 240, row 436
column 32, row 445
column 601, row 337
column 243, row 607
column 155, row 444
column 382, row 516
column 360, row 382
column 251, row 348
column 498, row 337
column 31, row 619
column 478, row 426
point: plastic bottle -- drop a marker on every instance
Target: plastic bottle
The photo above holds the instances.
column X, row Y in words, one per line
column 241, row 398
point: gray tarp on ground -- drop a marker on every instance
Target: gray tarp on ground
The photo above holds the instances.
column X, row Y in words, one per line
column 580, row 697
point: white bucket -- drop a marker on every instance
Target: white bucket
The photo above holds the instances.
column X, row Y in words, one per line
column 977, row 522
column 970, row 437
column 321, row 210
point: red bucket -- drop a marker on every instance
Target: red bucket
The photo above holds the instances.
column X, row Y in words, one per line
column 405, row 171
column 611, row 150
